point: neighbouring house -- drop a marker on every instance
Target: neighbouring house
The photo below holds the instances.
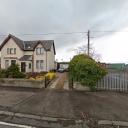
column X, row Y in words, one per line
column 113, row 66
column 31, row 56
column 116, row 66
column 104, row 65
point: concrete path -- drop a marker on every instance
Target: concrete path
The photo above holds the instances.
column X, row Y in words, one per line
column 61, row 82
column 53, row 83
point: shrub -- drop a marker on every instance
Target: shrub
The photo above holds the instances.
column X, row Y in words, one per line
column 35, row 74
column 2, row 73
column 85, row 70
column 14, row 72
column 51, row 75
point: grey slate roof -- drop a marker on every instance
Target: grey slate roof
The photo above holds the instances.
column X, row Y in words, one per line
column 26, row 58
column 30, row 45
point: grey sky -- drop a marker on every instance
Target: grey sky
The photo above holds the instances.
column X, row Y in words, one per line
column 47, row 16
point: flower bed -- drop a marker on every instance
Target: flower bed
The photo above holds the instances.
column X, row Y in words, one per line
column 36, row 76
column 32, row 80
column 41, row 76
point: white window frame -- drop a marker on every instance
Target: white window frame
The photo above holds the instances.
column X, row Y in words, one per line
column 6, row 64
column 14, row 50
column 39, row 64
column 30, row 65
column 11, row 50
column 8, row 51
column 39, row 51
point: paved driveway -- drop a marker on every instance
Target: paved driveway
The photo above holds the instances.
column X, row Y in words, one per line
column 61, row 81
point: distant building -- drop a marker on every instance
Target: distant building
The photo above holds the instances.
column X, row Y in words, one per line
column 116, row 66
column 63, row 65
column 104, row 65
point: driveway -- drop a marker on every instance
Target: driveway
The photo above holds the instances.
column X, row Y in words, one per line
column 61, row 81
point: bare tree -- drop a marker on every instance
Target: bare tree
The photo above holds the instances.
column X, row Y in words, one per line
column 83, row 50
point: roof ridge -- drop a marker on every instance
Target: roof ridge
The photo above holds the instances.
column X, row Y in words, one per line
column 36, row 40
column 15, row 37
column 29, row 45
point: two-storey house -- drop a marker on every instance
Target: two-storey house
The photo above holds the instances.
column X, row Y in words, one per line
column 31, row 56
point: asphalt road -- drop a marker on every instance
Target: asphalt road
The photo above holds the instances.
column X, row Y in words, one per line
column 11, row 125
column 5, row 126
column 63, row 104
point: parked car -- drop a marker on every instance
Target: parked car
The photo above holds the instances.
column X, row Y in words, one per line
column 61, row 70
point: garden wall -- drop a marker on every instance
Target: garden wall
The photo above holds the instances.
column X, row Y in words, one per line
column 22, row 83
column 79, row 87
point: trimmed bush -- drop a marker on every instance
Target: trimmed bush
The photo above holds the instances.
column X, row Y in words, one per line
column 85, row 70
column 51, row 75
column 2, row 73
column 14, row 72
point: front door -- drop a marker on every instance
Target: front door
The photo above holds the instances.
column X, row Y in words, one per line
column 23, row 67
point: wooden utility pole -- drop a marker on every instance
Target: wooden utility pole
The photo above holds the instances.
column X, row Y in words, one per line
column 88, row 46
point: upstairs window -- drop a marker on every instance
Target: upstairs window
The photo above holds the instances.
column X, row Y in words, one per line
column 39, row 51
column 11, row 50
column 8, row 51
column 14, row 50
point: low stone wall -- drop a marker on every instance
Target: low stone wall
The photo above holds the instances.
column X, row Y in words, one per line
column 79, row 87
column 22, row 83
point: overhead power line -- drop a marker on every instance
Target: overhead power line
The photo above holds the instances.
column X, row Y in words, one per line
column 64, row 33
column 30, row 34
column 109, row 31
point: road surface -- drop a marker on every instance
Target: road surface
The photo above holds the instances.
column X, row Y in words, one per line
column 11, row 125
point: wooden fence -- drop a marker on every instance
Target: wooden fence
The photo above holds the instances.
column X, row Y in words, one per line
column 115, row 81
